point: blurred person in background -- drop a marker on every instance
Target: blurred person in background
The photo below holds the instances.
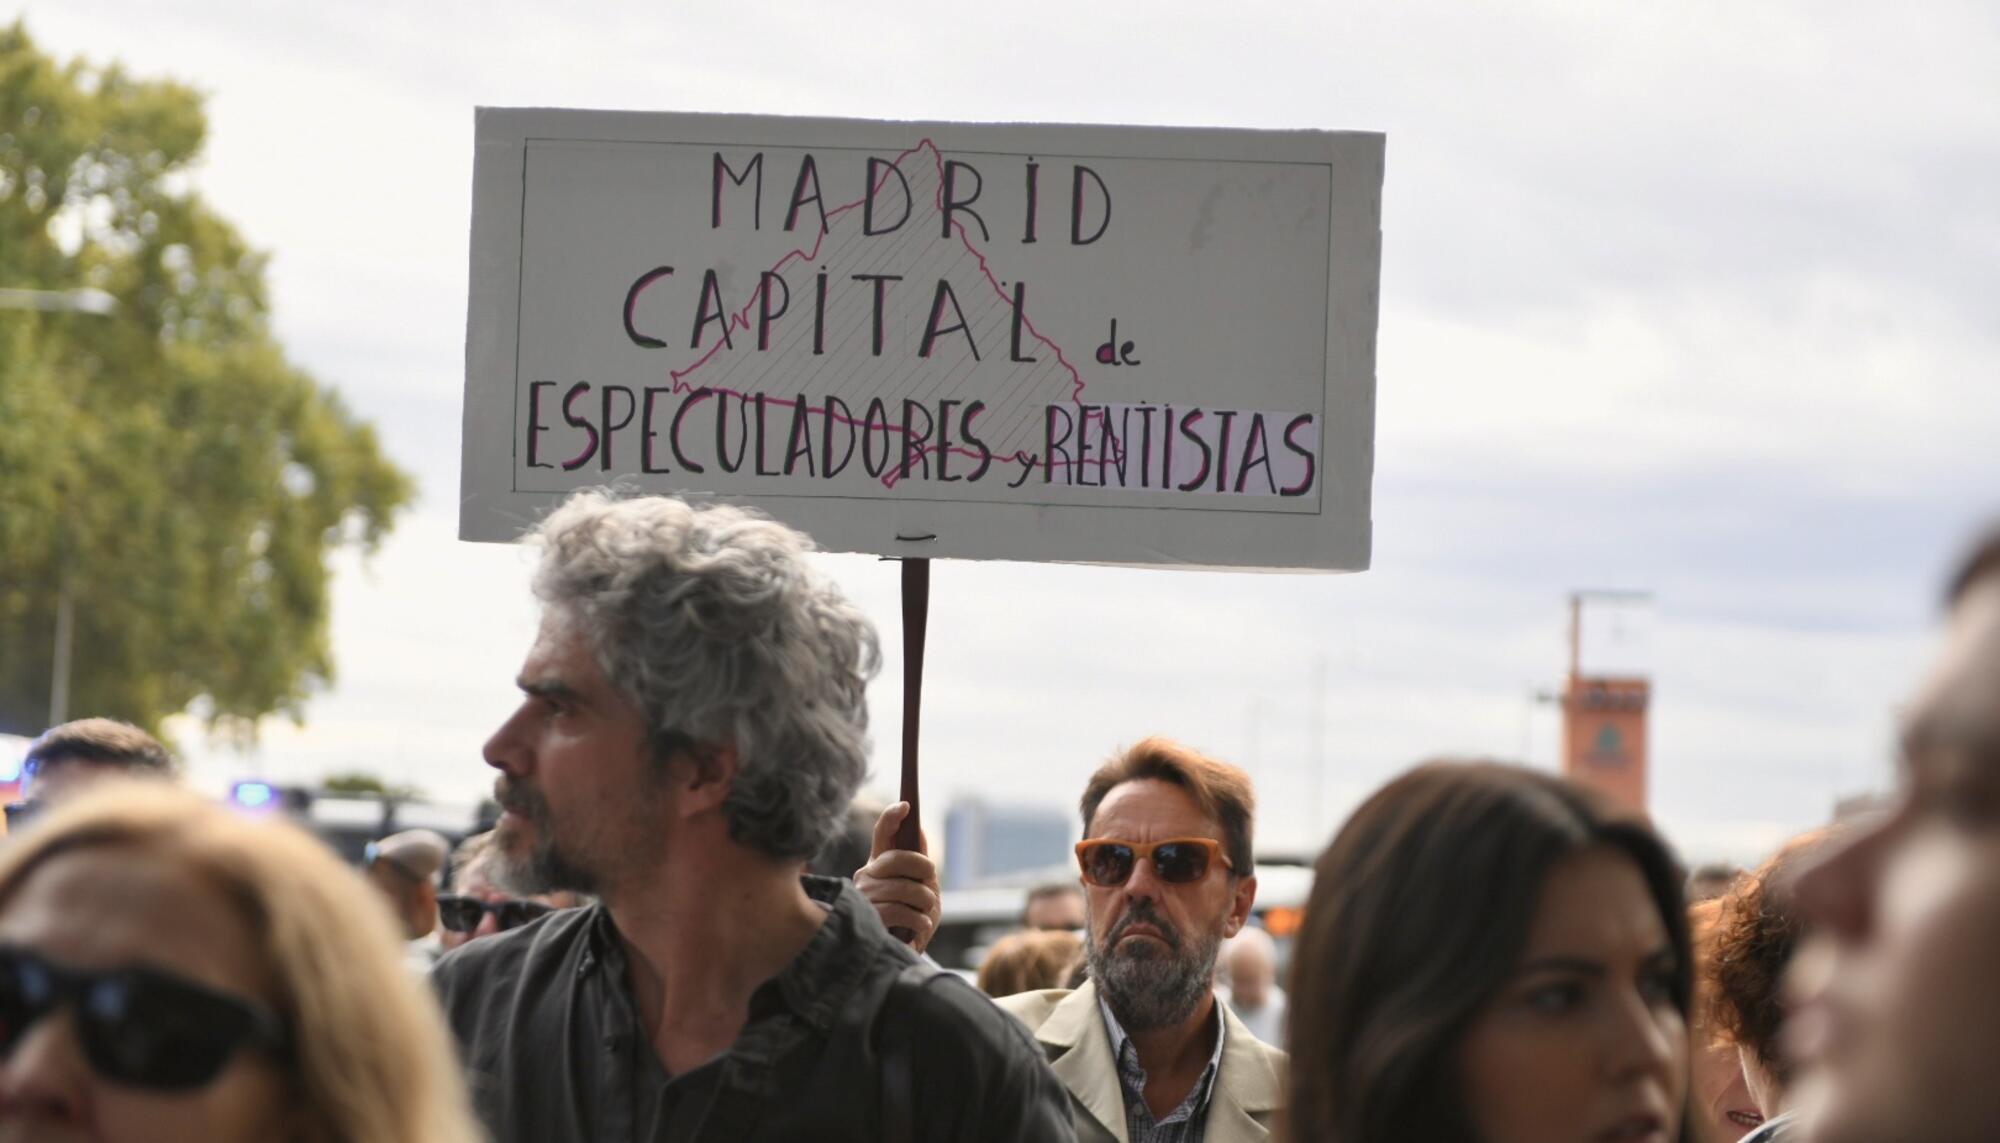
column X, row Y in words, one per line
column 1491, row 954
column 75, row 755
column 1250, row 964
column 1054, row 905
column 1757, row 929
column 1029, row 960
column 480, row 905
column 692, row 729
column 1721, row 1100
column 1711, row 881
column 1146, row 1049
column 404, row 868
column 1895, row 1028
column 171, row 972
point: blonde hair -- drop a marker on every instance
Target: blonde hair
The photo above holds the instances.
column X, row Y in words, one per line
column 371, row 1058
column 1028, row 961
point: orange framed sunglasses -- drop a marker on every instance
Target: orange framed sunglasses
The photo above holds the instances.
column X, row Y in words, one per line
column 1108, row 862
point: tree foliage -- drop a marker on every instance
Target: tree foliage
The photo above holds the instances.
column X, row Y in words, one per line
column 360, row 782
column 167, row 460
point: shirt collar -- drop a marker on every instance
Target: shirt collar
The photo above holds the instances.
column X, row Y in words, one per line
column 818, row 981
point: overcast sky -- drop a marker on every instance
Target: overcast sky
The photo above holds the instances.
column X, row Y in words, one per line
column 1691, row 298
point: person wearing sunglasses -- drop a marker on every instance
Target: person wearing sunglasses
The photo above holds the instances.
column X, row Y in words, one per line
column 1145, row 1049
column 171, row 972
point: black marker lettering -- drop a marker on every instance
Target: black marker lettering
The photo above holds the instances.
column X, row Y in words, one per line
column 535, row 426
column 631, row 407
column 931, row 330
column 1187, row 430
column 846, row 421
column 808, row 173
column 765, row 314
column 952, row 203
column 1014, row 335
column 1312, row 463
column 799, row 442
column 632, row 300
column 868, row 227
column 646, row 433
column 881, row 287
column 674, row 431
column 1076, row 237
column 576, row 422
column 722, row 167
column 711, row 291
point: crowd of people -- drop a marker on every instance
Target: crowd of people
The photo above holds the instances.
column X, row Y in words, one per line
column 682, row 927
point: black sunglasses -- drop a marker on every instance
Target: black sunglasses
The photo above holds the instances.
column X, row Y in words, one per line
column 462, row 914
column 140, row 1027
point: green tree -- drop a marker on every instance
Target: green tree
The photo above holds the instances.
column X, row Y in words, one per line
column 364, row 783
column 166, row 464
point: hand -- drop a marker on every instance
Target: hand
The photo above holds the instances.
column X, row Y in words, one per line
column 901, row 884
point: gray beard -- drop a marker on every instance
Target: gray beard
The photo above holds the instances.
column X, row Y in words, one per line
column 544, row 868
column 1147, row 988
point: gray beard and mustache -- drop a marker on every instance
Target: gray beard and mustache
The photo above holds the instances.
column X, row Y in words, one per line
column 545, row 868
column 1147, row 988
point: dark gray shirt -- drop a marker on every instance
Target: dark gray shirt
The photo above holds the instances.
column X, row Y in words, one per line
column 555, row 1049
column 1184, row 1123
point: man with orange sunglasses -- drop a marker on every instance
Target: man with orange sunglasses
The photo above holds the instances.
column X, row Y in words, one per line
column 1147, row 1053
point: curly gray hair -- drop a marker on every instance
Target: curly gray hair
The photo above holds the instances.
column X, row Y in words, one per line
column 711, row 620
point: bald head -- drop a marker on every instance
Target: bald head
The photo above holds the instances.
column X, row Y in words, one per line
column 405, row 866
column 1253, row 966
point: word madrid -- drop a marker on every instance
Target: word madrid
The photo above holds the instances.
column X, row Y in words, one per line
column 705, row 431
column 887, row 205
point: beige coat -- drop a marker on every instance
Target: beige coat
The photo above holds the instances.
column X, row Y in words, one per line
column 1071, row 1030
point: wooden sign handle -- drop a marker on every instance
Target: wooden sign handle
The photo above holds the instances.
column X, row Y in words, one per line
column 916, row 616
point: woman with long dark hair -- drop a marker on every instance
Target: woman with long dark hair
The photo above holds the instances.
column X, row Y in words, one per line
column 1491, row 955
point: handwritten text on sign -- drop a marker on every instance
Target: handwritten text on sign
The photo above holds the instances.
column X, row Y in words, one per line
column 930, row 324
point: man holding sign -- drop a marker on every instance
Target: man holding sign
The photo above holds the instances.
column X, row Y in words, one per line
column 692, row 729
column 1147, row 1052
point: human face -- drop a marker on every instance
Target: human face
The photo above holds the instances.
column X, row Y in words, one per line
column 1721, row 1093
column 1250, row 972
column 1151, row 943
column 1583, row 1042
column 585, row 805
column 1056, row 911
column 1897, row 1021
column 111, row 907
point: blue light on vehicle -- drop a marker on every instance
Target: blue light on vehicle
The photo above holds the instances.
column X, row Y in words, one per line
column 253, row 795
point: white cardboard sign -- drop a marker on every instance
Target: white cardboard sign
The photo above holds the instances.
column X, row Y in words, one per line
column 1102, row 344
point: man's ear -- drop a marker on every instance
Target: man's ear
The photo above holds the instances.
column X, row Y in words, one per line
column 704, row 776
column 1244, row 895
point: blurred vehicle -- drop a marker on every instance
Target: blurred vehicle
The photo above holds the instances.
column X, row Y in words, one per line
column 348, row 822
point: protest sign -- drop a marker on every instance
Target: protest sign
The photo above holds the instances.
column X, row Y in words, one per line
column 1079, row 343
